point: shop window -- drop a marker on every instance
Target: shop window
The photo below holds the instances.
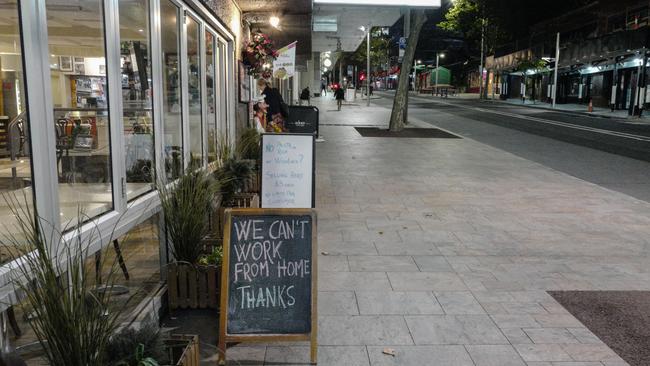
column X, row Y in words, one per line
column 80, row 98
column 15, row 151
column 172, row 106
column 135, row 60
column 129, row 265
column 194, row 89
column 211, row 113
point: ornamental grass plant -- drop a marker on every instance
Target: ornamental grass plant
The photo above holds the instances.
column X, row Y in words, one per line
column 186, row 204
column 71, row 315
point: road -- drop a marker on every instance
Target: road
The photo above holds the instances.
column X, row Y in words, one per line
column 594, row 149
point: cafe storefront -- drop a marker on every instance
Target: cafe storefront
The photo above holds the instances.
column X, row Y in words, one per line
column 97, row 96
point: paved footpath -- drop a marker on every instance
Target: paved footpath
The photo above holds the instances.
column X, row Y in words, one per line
column 443, row 249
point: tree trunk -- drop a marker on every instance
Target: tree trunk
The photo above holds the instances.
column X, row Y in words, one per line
column 400, row 103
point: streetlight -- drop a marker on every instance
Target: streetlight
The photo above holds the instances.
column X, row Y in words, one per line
column 274, row 21
column 438, row 57
column 364, row 29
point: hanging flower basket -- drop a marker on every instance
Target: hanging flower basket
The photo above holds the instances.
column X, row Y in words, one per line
column 259, row 55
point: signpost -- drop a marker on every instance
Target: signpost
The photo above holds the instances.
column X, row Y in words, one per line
column 269, row 278
column 288, row 171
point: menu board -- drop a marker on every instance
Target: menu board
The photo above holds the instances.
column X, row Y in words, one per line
column 288, row 171
column 268, row 289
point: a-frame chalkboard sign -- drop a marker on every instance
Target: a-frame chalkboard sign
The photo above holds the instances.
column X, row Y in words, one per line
column 269, row 273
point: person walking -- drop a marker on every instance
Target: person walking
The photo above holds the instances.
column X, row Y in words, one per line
column 323, row 86
column 277, row 110
column 339, row 95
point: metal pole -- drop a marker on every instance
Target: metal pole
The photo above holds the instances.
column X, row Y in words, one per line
column 557, row 65
column 368, row 66
column 437, row 65
column 480, row 79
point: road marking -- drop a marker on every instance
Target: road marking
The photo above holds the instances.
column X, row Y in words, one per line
column 550, row 122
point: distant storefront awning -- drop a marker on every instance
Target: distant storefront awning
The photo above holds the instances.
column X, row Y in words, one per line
column 603, row 48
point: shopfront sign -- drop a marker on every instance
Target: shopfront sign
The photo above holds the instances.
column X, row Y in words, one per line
column 269, row 277
column 288, row 170
column 302, row 119
column 285, row 65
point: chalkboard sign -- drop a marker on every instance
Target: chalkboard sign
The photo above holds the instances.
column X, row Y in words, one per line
column 288, row 171
column 268, row 289
column 302, row 119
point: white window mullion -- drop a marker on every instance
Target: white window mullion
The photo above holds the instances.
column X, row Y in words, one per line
column 182, row 59
column 157, row 85
column 115, row 111
column 204, row 92
column 231, row 101
column 41, row 117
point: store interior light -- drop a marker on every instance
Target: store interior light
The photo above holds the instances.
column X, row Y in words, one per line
column 274, row 21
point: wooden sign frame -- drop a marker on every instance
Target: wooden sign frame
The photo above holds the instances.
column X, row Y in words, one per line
column 224, row 337
column 313, row 165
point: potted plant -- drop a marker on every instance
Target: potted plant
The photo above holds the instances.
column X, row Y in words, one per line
column 72, row 316
column 186, row 205
column 249, row 149
column 148, row 346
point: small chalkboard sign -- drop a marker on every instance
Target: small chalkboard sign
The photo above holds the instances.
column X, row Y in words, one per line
column 268, row 282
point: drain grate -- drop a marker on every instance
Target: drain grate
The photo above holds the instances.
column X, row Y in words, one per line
column 427, row 133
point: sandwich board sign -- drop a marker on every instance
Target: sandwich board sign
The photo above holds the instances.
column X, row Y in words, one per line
column 269, row 277
column 288, row 163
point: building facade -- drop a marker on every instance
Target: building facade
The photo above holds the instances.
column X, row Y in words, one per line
column 98, row 98
column 603, row 58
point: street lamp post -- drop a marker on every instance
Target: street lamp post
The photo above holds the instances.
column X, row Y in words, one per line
column 368, row 66
column 438, row 56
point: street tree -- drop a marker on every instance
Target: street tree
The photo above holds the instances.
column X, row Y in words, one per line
column 400, row 103
column 380, row 47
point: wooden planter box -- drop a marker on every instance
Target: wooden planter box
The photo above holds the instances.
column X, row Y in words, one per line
column 185, row 349
column 193, row 286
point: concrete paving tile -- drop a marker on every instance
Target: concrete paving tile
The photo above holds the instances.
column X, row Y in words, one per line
column 515, row 321
column 530, row 308
column 381, row 263
column 333, row 263
column 421, row 355
column 363, row 330
column 428, row 236
column 244, row 355
column 370, row 236
column 397, row 303
column 585, row 336
column 454, row 329
column 550, row 335
column 591, row 352
column 337, row 303
column 400, row 248
column 558, row 320
column 516, row 336
column 492, row 296
column 542, row 352
column 459, row 303
column 327, row 355
column 494, row 355
column 576, row 364
column 426, row 281
column 353, row 281
column 430, row 263
column 347, row 248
